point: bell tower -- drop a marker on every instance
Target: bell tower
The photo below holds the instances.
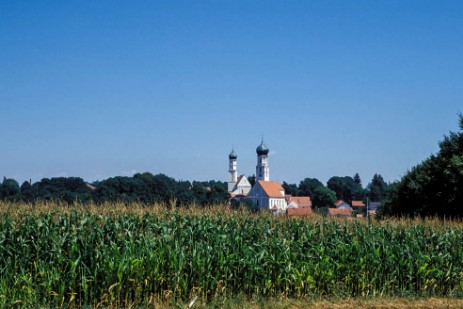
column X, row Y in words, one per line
column 232, row 170
column 262, row 168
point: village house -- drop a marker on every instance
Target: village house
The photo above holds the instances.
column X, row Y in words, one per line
column 340, row 212
column 298, row 201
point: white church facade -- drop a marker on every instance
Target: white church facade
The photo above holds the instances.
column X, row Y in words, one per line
column 265, row 194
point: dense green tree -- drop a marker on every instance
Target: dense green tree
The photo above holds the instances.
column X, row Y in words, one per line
column 377, row 188
column 217, row 195
column 200, row 193
column 122, row 189
column 346, row 188
column 161, row 188
column 290, row 189
column 357, row 179
column 27, row 192
column 308, row 185
column 433, row 187
column 183, row 193
column 10, row 189
column 65, row 189
column 323, row 197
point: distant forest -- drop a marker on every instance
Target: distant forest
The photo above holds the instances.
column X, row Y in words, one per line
column 432, row 188
column 143, row 188
column 148, row 188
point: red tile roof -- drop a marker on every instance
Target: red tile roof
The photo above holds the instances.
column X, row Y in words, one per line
column 299, row 211
column 272, row 188
column 338, row 202
column 340, row 212
column 358, row 204
column 301, row 201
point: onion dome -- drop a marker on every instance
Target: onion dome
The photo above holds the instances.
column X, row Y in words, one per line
column 262, row 149
column 233, row 155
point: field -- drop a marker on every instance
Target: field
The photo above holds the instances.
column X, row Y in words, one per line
column 133, row 256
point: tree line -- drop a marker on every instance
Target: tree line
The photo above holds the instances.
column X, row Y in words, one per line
column 148, row 188
column 143, row 188
column 432, row 188
column 344, row 188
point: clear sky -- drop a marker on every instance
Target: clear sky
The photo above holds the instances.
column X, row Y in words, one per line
column 97, row 89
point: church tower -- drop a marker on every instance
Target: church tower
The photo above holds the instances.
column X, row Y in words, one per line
column 262, row 169
column 232, row 170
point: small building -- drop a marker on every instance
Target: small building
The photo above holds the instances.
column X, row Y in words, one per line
column 299, row 212
column 372, row 208
column 298, row 201
column 340, row 212
column 358, row 204
column 341, row 204
column 268, row 195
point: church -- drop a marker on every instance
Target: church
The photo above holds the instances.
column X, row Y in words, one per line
column 265, row 194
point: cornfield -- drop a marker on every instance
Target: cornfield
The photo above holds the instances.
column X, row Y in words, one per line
column 118, row 255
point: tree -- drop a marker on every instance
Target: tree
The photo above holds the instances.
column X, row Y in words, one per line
column 433, row 187
column 346, row 188
column 290, row 189
column 323, row 197
column 27, row 192
column 200, row 193
column 161, row 188
column 357, row 179
column 377, row 188
column 122, row 189
column 308, row 185
column 183, row 193
column 65, row 189
column 217, row 195
column 10, row 189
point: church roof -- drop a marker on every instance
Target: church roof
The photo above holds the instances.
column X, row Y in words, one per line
column 272, row 188
column 233, row 155
column 242, row 178
column 262, row 149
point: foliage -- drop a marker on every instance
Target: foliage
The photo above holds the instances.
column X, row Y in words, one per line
column 346, row 188
column 357, row 179
column 122, row 189
column 9, row 190
column 142, row 187
column 308, row 185
column 433, row 187
column 27, row 192
column 291, row 189
column 377, row 188
column 64, row 189
column 323, row 197
column 121, row 259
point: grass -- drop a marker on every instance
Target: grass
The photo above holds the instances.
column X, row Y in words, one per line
column 118, row 255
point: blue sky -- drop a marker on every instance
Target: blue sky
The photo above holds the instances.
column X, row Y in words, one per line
column 98, row 89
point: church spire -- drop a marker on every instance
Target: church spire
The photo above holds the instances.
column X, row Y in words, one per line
column 232, row 169
column 262, row 168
